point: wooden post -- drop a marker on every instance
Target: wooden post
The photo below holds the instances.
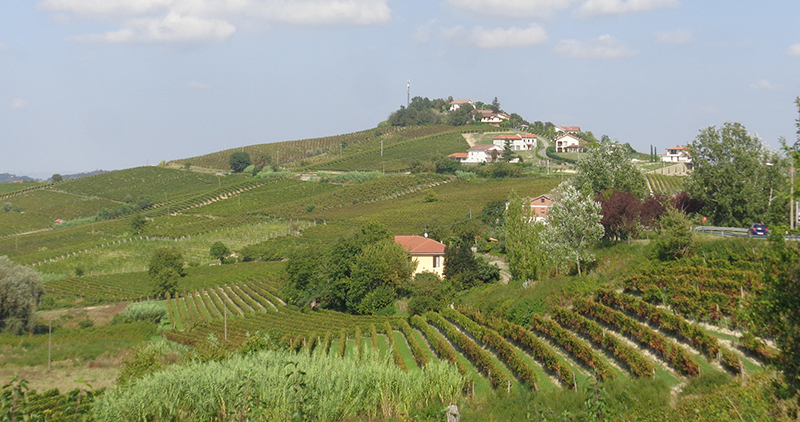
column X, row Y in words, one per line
column 49, row 344
column 574, row 382
column 473, row 389
column 508, row 389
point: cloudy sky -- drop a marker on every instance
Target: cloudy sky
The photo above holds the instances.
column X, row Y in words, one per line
column 110, row 84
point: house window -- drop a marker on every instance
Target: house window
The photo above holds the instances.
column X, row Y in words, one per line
column 437, row 261
column 543, row 200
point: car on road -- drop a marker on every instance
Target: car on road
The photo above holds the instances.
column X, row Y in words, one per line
column 758, row 229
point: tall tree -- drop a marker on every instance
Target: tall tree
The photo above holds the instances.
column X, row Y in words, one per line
column 219, row 251
column 239, row 161
column 738, row 180
column 526, row 257
column 608, row 166
column 573, row 226
column 166, row 270
column 20, row 292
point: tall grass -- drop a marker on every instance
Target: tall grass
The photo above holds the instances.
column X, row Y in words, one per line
column 276, row 385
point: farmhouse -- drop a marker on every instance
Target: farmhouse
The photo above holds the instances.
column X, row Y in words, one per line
column 539, row 207
column 428, row 253
column 494, row 119
column 456, row 104
column 567, row 142
column 518, row 142
column 461, row 157
column 483, row 153
column 679, row 154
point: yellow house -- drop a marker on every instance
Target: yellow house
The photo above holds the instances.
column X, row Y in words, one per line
column 428, row 253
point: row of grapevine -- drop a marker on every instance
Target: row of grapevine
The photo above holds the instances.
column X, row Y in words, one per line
column 477, row 355
column 675, row 355
column 630, row 357
column 396, row 356
column 664, row 184
column 503, row 348
column 416, row 349
column 443, row 348
column 50, row 405
column 673, row 324
column 535, row 347
column 572, row 344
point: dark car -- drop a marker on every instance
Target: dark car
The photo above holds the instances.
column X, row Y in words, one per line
column 758, row 229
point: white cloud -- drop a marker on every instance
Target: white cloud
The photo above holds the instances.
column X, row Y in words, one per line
column 604, row 47
column 211, row 20
column 512, row 8
column 19, row 104
column 508, row 37
column 794, row 50
column 423, row 33
column 765, row 85
column 172, row 28
column 198, row 86
column 619, row 7
column 676, row 37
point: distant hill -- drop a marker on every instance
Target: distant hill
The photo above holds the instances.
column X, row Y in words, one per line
column 83, row 174
column 9, row 178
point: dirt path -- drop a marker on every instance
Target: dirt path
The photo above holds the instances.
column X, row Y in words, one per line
column 505, row 275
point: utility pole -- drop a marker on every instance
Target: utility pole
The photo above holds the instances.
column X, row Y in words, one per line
column 792, row 206
column 408, row 86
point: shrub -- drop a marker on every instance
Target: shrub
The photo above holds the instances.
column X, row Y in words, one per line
column 466, row 175
column 142, row 311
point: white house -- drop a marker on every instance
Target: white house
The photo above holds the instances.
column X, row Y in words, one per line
column 461, row 157
column 567, row 142
column 456, row 104
column 519, row 142
column 494, row 119
column 482, row 153
column 679, row 154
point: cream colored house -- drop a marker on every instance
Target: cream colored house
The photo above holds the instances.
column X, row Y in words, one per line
column 428, row 253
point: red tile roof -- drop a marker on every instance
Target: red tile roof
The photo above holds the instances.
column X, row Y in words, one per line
column 459, row 155
column 571, row 128
column 418, row 245
column 504, row 137
column 483, row 147
column 678, row 147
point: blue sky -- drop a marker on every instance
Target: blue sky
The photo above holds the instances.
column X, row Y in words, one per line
column 110, row 84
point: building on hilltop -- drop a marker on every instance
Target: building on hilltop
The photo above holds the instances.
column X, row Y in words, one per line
column 456, row 104
column 679, row 154
column 483, row 153
column 428, row 253
column 518, row 142
column 567, row 142
column 539, row 207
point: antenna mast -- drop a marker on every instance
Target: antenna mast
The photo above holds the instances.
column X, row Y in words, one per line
column 408, row 86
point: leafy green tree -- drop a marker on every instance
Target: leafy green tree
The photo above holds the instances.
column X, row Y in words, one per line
column 429, row 293
column 526, row 257
column 608, row 166
column 56, row 178
column 676, row 237
column 219, row 251
column 138, row 222
column 359, row 273
column 779, row 307
column 239, row 161
column 738, row 180
column 573, row 226
column 165, row 271
column 20, row 292
column 143, row 202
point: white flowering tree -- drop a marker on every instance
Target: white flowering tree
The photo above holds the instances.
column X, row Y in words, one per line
column 573, row 226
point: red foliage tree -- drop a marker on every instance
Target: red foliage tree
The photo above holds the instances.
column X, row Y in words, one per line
column 621, row 214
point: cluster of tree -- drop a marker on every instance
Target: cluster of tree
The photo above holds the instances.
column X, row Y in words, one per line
column 20, row 293
column 437, row 163
column 239, row 161
column 737, row 178
column 423, row 111
column 365, row 272
column 129, row 206
column 609, row 167
column 360, row 273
